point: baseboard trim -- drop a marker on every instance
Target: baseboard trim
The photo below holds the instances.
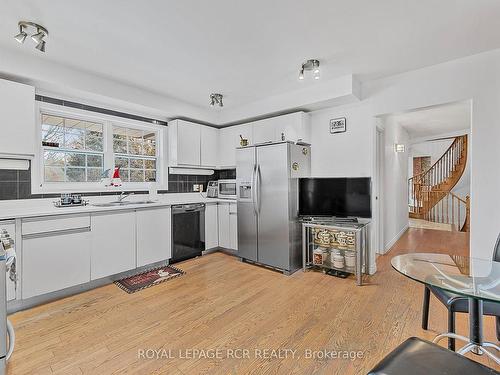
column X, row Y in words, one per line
column 395, row 239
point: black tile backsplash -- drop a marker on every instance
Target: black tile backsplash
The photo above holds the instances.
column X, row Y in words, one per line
column 17, row 184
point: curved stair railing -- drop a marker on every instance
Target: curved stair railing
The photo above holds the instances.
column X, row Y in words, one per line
column 433, row 187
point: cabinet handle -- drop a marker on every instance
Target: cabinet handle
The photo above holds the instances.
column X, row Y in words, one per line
column 55, row 233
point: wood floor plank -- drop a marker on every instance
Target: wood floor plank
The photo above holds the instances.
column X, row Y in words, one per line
column 222, row 303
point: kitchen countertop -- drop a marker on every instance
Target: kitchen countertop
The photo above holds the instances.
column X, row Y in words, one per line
column 24, row 208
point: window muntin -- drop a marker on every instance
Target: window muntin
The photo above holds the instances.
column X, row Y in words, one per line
column 135, row 154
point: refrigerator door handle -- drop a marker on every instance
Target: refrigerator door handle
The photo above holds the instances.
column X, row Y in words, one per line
column 254, row 190
column 258, row 190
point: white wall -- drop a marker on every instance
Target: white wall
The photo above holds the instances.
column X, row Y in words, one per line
column 395, row 182
column 477, row 78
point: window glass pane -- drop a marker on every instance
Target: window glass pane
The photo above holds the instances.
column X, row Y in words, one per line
column 54, row 174
column 94, row 174
column 135, row 146
column 149, row 147
column 94, row 161
column 75, row 160
column 124, row 175
column 74, row 140
column 150, row 164
column 119, row 146
column 137, row 163
column 121, row 162
column 53, row 135
column 136, row 175
column 53, row 158
column 150, row 175
column 93, row 142
column 75, row 174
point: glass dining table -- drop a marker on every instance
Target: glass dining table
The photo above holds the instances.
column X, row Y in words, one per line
column 476, row 279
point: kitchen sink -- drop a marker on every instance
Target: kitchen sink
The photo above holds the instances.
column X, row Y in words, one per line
column 122, row 203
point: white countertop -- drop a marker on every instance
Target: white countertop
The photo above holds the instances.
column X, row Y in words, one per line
column 23, row 208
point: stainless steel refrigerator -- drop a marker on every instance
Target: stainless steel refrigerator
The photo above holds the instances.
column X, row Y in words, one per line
column 267, row 193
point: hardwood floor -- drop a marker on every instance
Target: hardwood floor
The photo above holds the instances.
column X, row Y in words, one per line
column 222, row 303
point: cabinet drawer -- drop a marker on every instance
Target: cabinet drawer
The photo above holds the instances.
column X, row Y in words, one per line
column 54, row 224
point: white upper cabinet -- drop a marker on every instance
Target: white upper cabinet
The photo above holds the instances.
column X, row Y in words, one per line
column 192, row 145
column 229, row 140
column 263, row 131
column 17, row 116
column 208, row 145
column 290, row 127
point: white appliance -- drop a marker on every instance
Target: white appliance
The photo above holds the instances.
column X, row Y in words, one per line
column 7, row 264
column 268, row 229
column 226, row 189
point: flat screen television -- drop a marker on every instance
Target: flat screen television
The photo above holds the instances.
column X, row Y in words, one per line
column 340, row 197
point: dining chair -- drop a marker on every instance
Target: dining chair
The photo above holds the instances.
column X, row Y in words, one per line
column 459, row 304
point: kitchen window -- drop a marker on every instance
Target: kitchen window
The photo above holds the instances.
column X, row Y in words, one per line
column 76, row 148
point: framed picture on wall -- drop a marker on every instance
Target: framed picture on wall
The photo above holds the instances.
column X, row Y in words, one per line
column 338, row 125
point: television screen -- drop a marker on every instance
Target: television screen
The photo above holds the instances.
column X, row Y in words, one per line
column 341, row 197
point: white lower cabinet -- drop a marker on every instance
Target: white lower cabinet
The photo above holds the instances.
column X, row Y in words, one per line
column 224, row 236
column 211, row 226
column 55, row 260
column 233, row 226
column 113, row 243
column 153, row 235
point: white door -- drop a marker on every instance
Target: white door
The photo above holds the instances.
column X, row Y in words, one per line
column 211, row 227
column 188, row 143
column 224, row 229
column 153, row 235
column 53, row 262
column 233, row 226
column 209, row 147
column 113, row 243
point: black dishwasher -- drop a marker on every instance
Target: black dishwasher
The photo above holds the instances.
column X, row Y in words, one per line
column 188, row 231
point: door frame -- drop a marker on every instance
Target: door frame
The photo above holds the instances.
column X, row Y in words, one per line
column 379, row 187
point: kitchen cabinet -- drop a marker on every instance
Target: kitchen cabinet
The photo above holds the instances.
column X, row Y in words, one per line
column 18, row 118
column 154, row 235
column 290, row 127
column 229, row 140
column 54, row 258
column 211, row 227
column 224, row 226
column 113, row 247
column 208, row 146
column 228, row 225
column 263, row 131
column 233, row 226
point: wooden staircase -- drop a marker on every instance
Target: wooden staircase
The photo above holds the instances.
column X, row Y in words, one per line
column 429, row 193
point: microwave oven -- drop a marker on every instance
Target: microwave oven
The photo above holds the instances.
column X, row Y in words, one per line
column 227, row 189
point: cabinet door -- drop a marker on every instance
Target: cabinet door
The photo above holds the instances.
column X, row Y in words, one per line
column 53, row 262
column 224, row 230
column 233, row 226
column 264, row 131
column 188, row 143
column 292, row 127
column 229, row 140
column 208, row 146
column 113, row 243
column 17, row 112
column 211, row 227
column 153, row 235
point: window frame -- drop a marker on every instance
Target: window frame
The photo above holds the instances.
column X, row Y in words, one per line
column 39, row 186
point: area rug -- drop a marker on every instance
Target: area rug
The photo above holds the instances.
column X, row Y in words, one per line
column 148, row 278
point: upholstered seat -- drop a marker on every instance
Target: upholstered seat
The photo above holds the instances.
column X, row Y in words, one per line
column 419, row 357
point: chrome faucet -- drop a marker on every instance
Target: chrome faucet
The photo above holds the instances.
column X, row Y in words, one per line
column 123, row 196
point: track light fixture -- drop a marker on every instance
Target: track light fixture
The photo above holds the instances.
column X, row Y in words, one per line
column 41, row 32
column 310, row 65
column 216, row 99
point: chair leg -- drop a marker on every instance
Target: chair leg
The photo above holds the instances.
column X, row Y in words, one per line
column 425, row 308
column 451, row 328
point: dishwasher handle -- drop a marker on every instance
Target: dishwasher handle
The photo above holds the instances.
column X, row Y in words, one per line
column 182, row 208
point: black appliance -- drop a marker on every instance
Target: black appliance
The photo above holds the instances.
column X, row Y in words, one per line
column 339, row 197
column 188, row 231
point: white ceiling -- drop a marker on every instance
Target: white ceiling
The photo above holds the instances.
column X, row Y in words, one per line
column 249, row 50
column 436, row 120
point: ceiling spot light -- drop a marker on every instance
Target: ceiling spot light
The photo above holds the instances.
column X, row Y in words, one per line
column 310, row 65
column 216, row 99
column 21, row 37
column 37, row 37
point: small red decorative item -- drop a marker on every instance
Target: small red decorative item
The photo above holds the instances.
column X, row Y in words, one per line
column 116, row 173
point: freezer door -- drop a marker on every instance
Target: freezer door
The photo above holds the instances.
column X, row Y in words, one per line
column 273, row 205
column 247, row 215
